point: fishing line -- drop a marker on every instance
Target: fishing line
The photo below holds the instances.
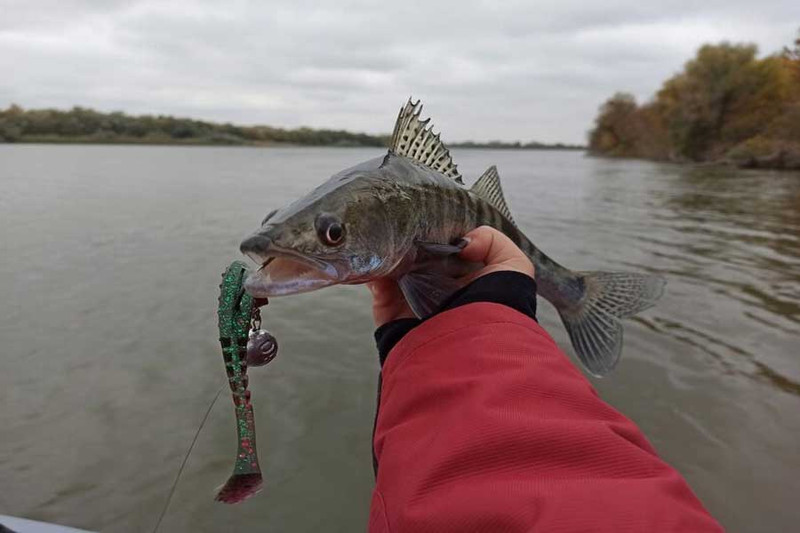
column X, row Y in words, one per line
column 186, row 458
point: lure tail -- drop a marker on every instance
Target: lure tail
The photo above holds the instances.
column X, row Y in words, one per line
column 236, row 309
column 594, row 324
column 239, row 487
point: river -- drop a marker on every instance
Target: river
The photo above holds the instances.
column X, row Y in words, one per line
column 111, row 258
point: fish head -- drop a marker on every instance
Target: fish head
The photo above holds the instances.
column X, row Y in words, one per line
column 339, row 233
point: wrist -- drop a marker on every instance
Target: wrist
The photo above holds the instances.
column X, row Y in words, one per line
column 390, row 333
column 513, row 289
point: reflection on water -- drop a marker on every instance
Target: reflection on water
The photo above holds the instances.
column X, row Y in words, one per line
column 111, row 261
column 739, row 237
column 720, row 351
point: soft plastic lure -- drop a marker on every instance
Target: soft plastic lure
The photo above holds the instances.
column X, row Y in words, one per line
column 242, row 346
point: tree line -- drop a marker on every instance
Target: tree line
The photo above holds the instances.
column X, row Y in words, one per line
column 82, row 125
column 727, row 105
column 504, row 145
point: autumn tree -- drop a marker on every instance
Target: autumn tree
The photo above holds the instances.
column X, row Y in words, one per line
column 614, row 131
column 726, row 103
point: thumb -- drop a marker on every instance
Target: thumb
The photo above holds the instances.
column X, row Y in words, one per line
column 495, row 250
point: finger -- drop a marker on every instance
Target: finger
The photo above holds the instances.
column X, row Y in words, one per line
column 388, row 302
column 490, row 246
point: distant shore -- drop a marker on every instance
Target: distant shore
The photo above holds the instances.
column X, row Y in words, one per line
column 85, row 126
column 728, row 106
column 780, row 159
column 155, row 141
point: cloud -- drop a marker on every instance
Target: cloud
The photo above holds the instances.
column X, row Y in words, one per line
column 486, row 70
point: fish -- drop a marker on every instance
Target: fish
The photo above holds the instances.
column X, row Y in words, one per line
column 403, row 215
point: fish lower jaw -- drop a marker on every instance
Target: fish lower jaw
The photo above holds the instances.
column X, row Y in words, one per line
column 263, row 289
column 281, row 276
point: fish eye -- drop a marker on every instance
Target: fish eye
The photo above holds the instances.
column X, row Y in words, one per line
column 329, row 229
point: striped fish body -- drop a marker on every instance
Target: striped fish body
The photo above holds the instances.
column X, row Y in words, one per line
column 439, row 210
column 401, row 216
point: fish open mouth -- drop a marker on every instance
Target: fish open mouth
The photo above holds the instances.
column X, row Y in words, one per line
column 285, row 272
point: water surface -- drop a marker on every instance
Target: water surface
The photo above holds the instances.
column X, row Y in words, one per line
column 110, row 261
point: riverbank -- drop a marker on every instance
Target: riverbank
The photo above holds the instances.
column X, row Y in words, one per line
column 86, row 126
column 159, row 141
column 786, row 157
column 165, row 141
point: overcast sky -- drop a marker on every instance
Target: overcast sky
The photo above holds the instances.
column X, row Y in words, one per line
column 497, row 69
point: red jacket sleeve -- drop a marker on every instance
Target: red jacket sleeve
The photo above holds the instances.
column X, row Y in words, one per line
column 485, row 425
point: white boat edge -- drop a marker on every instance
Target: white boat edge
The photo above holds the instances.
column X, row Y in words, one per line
column 23, row 525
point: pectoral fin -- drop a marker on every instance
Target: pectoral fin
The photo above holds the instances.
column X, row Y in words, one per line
column 435, row 248
column 426, row 291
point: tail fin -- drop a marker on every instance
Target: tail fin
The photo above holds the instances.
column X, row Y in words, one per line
column 594, row 325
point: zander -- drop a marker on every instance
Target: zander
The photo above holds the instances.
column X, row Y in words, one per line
column 402, row 216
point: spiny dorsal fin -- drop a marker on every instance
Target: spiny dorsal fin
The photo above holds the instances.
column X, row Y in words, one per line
column 412, row 139
column 488, row 188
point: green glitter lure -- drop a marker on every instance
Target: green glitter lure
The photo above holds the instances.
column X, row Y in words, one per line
column 242, row 346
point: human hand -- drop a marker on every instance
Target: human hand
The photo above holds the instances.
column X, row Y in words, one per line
column 485, row 245
column 388, row 302
column 496, row 251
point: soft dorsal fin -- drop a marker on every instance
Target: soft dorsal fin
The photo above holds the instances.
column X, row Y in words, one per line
column 412, row 139
column 488, row 188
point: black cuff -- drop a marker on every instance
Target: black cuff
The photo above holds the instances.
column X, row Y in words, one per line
column 513, row 289
column 390, row 334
